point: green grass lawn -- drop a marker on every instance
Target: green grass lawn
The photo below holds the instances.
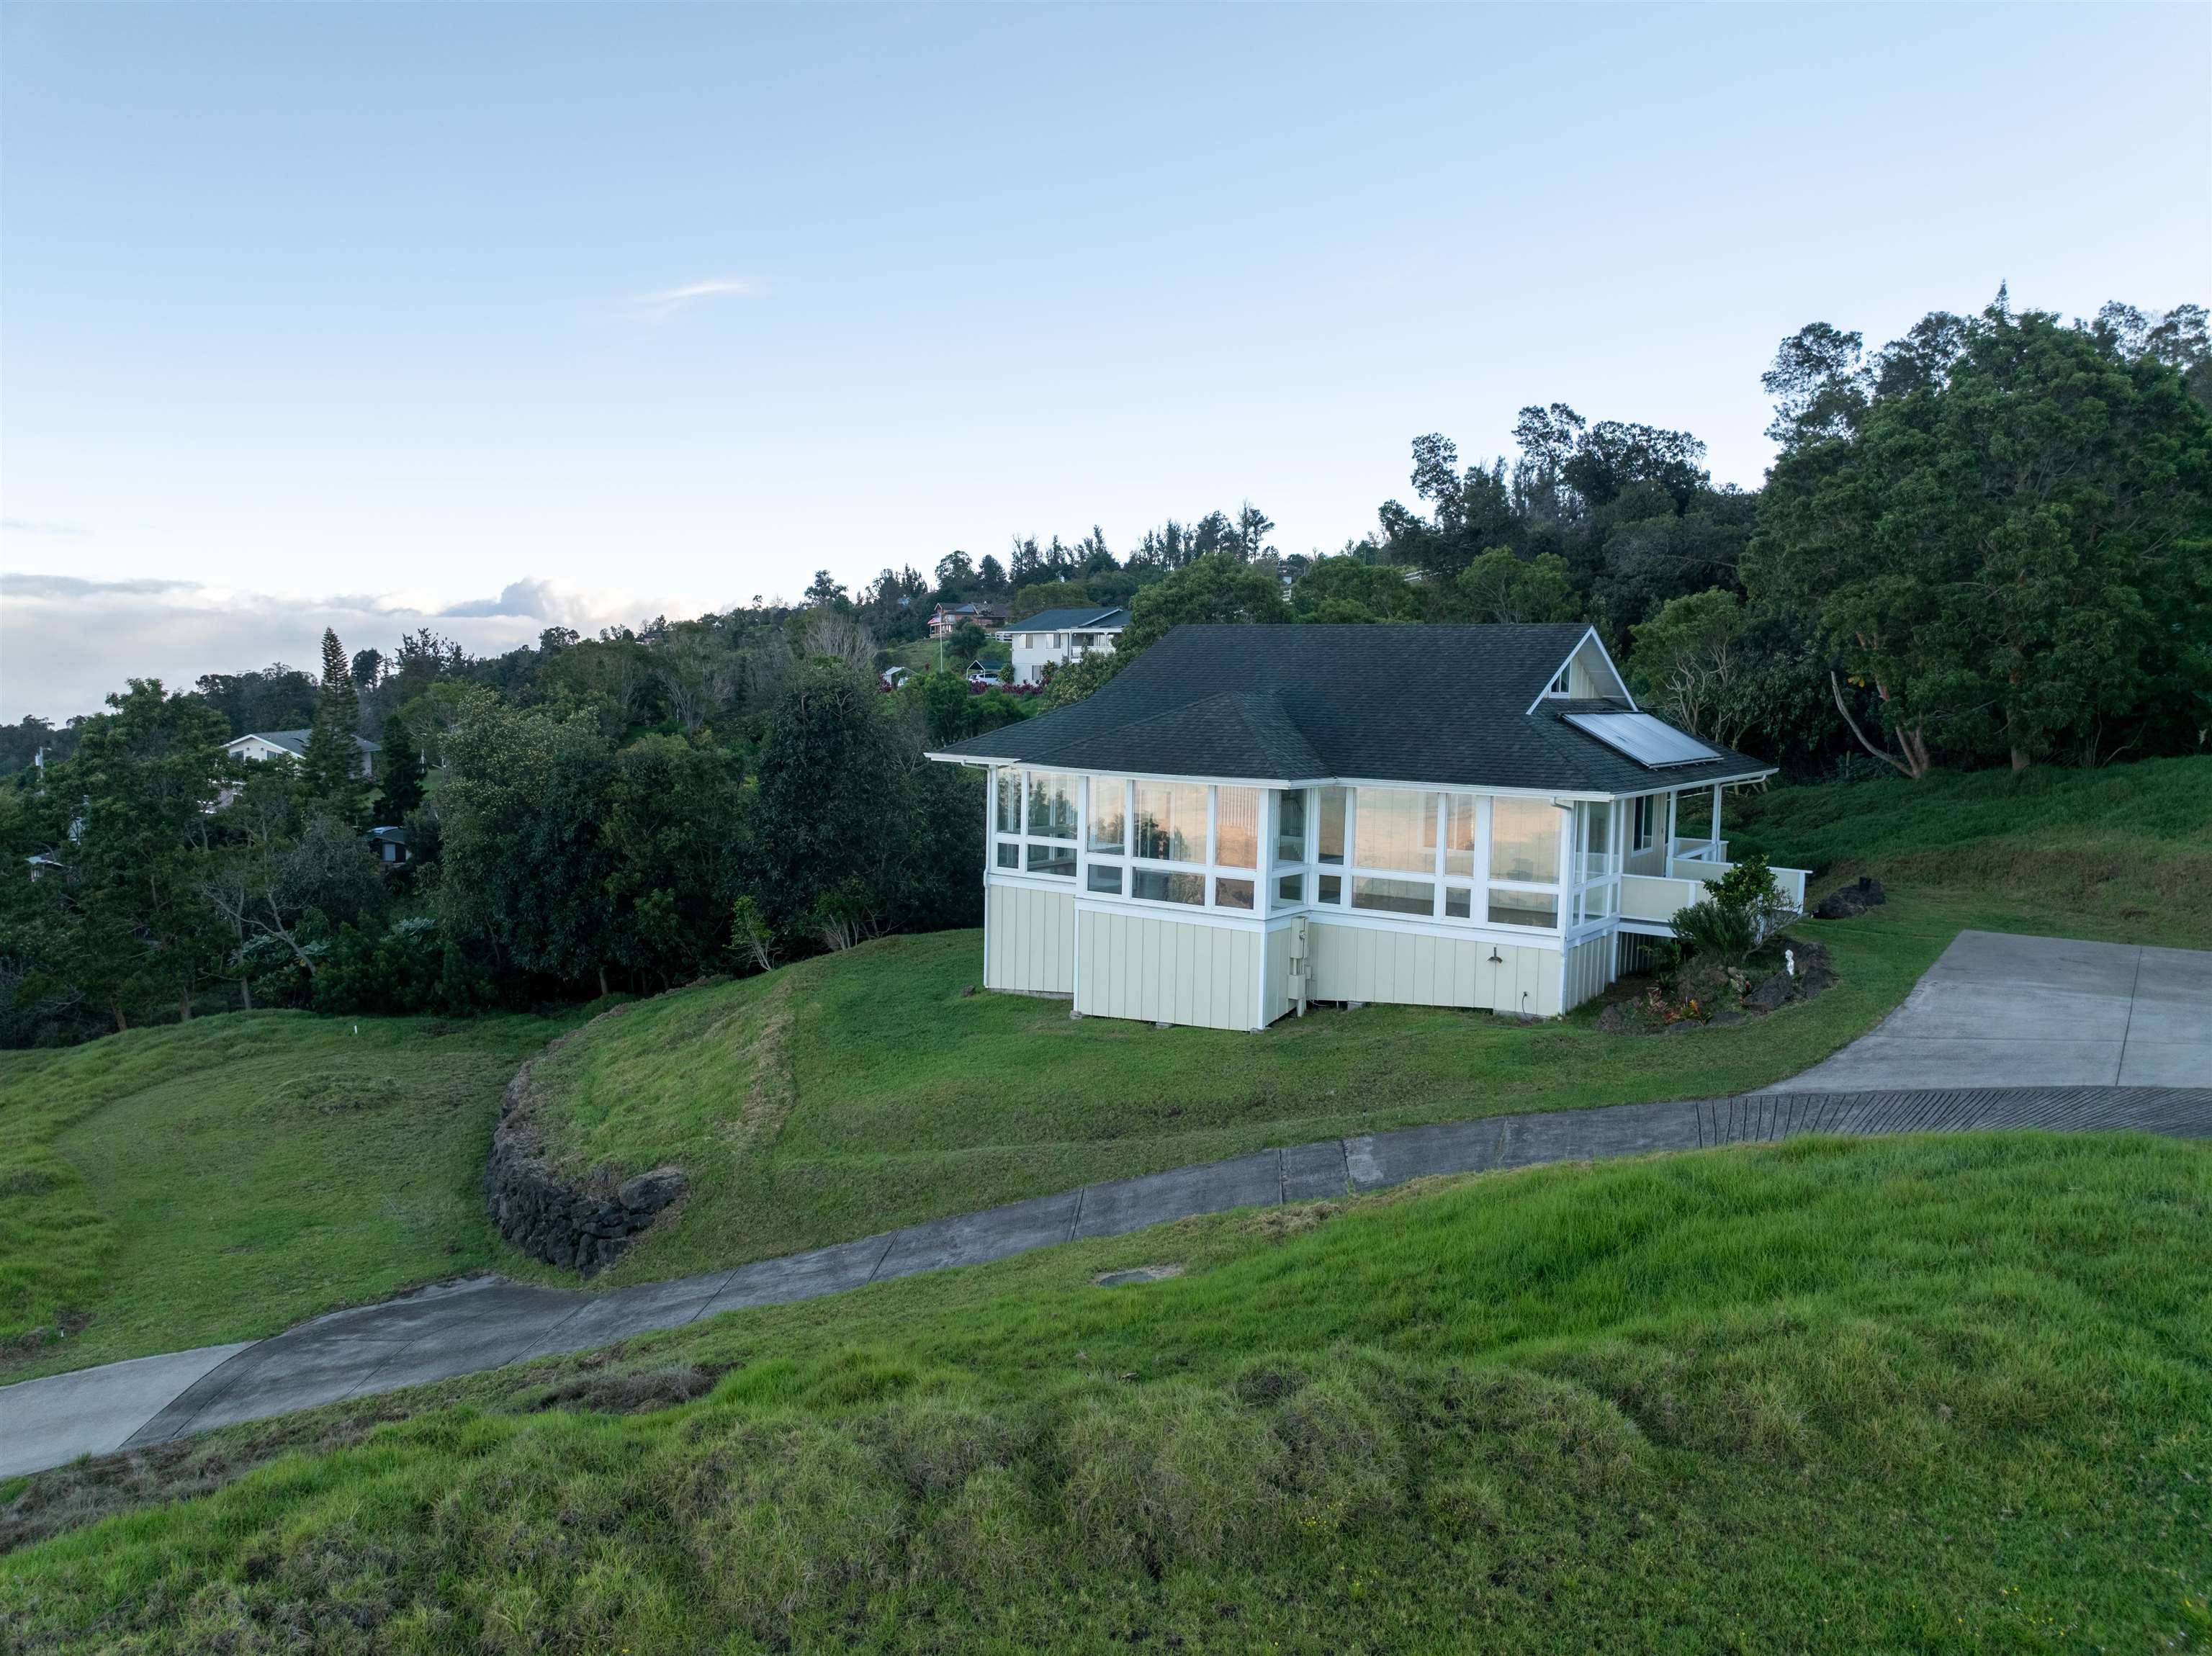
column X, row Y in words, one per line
column 223, row 1179
column 856, row 1092
column 1942, row 1395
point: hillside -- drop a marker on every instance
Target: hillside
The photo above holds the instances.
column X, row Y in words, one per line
column 223, row 1179
column 1942, row 1395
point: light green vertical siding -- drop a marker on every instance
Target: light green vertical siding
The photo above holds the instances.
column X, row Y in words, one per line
column 1276, row 964
column 1166, row 971
column 1589, row 968
column 1028, row 939
column 1358, row 963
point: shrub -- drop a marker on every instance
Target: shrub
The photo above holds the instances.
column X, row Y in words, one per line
column 1174, row 1472
column 1735, row 917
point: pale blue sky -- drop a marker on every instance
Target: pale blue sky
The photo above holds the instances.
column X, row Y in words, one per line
column 665, row 307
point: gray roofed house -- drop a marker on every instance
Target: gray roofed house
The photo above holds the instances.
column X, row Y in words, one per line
column 1247, row 818
column 268, row 744
column 1056, row 638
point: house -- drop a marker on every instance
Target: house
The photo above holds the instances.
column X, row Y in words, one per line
column 892, row 678
column 983, row 672
column 1060, row 636
column 268, row 744
column 388, row 845
column 946, row 619
column 1248, row 818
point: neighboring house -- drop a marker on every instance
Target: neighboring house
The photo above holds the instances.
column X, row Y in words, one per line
column 1247, row 818
column 892, row 677
column 389, row 845
column 1060, row 636
column 267, row 744
column 946, row 619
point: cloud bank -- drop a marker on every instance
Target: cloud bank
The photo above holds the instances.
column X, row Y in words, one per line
column 66, row 642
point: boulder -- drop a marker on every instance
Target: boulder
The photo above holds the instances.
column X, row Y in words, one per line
column 1726, row 1018
column 1847, row 901
column 1771, row 993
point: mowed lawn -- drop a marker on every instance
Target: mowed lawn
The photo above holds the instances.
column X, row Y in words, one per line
column 221, row 1179
column 855, row 1093
column 1939, row 1395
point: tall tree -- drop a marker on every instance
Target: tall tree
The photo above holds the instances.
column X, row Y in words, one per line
column 2012, row 555
column 403, row 773
column 332, row 770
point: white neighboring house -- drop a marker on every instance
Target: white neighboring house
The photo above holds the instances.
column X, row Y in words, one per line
column 1247, row 818
column 290, row 744
column 1060, row 636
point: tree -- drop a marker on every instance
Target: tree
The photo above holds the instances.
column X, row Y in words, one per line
column 1498, row 586
column 990, row 575
column 826, row 591
column 403, row 773
column 332, row 770
column 1345, row 589
column 2009, row 557
column 1215, row 588
column 129, row 816
column 1691, row 664
column 675, row 836
column 955, row 576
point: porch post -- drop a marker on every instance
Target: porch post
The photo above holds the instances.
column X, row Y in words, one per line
column 1713, row 845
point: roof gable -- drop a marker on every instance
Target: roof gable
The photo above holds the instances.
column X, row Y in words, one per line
column 1068, row 620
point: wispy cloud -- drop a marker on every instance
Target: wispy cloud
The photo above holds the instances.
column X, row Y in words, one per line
column 38, row 526
column 658, row 306
column 66, row 641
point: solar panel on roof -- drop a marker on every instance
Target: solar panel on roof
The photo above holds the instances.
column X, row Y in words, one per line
column 1651, row 743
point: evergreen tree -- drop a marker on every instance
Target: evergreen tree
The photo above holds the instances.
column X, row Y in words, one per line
column 403, row 773
column 333, row 769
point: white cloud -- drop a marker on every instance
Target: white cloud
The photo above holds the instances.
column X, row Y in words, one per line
column 668, row 301
column 65, row 642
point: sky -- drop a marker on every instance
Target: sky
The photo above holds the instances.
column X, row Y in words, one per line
column 486, row 317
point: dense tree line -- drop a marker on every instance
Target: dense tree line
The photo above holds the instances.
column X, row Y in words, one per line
column 1988, row 542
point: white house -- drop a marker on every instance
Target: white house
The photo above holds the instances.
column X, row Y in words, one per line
column 1247, row 818
column 292, row 744
column 1060, row 636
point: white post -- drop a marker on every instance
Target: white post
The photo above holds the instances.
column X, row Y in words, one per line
column 1713, row 845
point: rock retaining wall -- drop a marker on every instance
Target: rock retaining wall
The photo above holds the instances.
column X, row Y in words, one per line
column 584, row 1225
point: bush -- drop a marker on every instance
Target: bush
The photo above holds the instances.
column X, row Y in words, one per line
column 1738, row 914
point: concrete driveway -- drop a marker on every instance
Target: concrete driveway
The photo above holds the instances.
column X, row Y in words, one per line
column 1998, row 1010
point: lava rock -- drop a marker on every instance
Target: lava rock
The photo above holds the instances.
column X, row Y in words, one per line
column 1848, row 901
column 1771, row 993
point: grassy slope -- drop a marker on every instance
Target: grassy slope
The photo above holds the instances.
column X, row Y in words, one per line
column 220, row 1179
column 1942, row 1395
column 850, row 1095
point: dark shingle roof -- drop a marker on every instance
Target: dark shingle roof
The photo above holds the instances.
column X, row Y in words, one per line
column 1443, row 706
column 1069, row 620
column 296, row 741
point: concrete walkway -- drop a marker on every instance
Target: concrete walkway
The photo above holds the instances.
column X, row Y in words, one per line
column 1998, row 1010
column 488, row 1322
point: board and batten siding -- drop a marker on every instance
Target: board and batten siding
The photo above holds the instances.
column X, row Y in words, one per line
column 1166, row 971
column 1028, row 939
column 1589, row 968
column 1358, row 963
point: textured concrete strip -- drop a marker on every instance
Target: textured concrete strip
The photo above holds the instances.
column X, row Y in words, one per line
column 456, row 1329
column 798, row 1276
column 47, row 1422
column 1129, row 1204
column 970, row 1238
column 1392, row 1158
column 1580, row 1135
column 1315, row 1171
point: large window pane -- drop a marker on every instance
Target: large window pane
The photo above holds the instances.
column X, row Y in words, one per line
column 1108, row 814
column 1053, row 859
column 1394, row 896
column 1397, row 829
column 1523, row 908
column 1052, row 805
column 1237, row 827
column 1291, row 826
column 1010, row 802
column 1105, row 876
column 1232, row 894
column 1332, row 824
column 1524, row 841
column 1158, row 886
column 1459, row 834
column 1597, row 840
column 1172, row 822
